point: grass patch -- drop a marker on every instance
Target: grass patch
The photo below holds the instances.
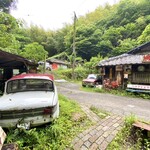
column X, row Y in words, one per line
column 130, row 138
column 99, row 112
column 88, row 89
column 118, row 92
column 57, row 135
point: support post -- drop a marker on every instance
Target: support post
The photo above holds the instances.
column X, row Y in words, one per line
column 74, row 47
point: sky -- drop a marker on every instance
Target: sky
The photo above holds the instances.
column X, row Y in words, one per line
column 53, row 14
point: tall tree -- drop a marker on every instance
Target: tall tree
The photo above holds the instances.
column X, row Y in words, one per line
column 34, row 51
column 145, row 36
column 7, row 5
column 8, row 27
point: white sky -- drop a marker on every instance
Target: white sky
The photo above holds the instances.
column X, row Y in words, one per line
column 52, row 14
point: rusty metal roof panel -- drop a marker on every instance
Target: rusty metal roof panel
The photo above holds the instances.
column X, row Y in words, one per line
column 12, row 60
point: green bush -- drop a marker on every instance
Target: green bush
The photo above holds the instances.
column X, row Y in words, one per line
column 80, row 73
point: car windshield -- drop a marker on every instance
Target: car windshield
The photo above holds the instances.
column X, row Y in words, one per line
column 22, row 85
column 91, row 76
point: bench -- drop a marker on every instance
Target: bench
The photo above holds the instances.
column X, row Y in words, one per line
column 143, row 126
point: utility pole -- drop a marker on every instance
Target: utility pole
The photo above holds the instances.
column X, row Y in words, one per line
column 44, row 67
column 74, row 46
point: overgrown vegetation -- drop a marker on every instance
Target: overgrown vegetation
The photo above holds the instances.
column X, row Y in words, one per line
column 119, row 92
column 99, row 112
column 81, row 71
column 108, row 31
column 130, row 138
column 57, row 135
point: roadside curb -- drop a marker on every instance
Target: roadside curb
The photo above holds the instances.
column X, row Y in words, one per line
column 100, row 135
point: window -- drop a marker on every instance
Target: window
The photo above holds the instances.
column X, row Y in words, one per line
column 22, row 85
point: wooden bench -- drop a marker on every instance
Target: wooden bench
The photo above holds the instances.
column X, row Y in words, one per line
column 143, row 126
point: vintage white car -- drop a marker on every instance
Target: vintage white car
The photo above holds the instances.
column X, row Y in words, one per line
column 29, row 100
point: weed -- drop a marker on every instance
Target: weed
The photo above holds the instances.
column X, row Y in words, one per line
column 129, row 137
column 118, row 92
column 57, row 135
column 101, row 113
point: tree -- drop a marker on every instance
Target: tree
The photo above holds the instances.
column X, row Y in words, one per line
column 34, row 51
column 145, row 36
column 8, row 27
column 124, row 46
column 91, row 65
column 105, row 48
column 6, row 5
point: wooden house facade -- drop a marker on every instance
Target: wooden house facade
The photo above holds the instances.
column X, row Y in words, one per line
column 131, row 71
column 11, row 64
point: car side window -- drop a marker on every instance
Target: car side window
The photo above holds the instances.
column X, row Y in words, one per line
column 12, row 86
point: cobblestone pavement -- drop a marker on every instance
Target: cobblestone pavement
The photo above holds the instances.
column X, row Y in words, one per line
column 102, row 133
column 99, row 135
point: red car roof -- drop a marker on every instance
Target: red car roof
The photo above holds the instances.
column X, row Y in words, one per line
column 32, row 75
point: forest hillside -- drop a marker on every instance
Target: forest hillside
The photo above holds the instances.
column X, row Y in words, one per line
column 107, row 31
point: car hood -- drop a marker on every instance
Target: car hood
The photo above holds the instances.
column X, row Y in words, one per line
column 89, row 80
column 27, row 100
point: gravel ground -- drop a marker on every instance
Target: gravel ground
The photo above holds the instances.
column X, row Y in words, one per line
column 118, row 105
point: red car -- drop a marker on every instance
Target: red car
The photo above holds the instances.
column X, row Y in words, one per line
column 92, row 80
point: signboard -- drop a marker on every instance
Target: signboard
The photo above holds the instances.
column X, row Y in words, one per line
column 138, row 86
column 125, row 76
column 119, row 68
column 146, row 58
column 127, row 69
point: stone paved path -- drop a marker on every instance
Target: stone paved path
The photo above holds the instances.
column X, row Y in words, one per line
column 100, row 135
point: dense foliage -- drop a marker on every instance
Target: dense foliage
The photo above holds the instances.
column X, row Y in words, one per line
column 108, row 31
column 6, row 5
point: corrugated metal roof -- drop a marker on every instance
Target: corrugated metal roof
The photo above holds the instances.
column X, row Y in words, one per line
column 122, row 60
column 12, row 60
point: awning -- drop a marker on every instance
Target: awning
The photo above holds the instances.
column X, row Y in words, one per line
column 13, row 61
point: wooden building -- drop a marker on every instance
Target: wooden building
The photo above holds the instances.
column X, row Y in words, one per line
column 131, row 71
column 11, row 64
column 55, row 64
